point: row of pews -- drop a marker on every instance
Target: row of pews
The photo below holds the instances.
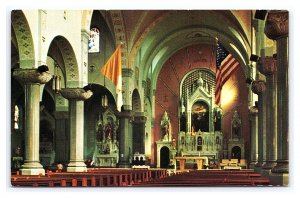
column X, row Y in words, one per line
column 220, row 178
column 103, row 177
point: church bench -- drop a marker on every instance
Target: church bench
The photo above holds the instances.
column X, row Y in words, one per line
column 95, row 177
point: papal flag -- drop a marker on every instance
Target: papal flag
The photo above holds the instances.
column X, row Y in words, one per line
column 226, row 66
column 113, row 71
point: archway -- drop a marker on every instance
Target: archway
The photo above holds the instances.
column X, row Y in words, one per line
column 164, row 157
column 136, row 101
column 97, row 118
column 138, row 129
column 24, row 42
column 236, row 152
column 61, row 60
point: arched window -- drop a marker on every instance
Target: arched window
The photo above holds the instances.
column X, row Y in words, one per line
column 94, row 40
column 17, row 124
column 16, row 117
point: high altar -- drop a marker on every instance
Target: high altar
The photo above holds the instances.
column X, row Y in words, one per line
column 200, row 132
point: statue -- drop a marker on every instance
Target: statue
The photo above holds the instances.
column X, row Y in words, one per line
column 99, row 131
column 166, row 127
column 236, row 125
column 200, row 82
column 18, row 151
column 218, row 114
column 108, row 130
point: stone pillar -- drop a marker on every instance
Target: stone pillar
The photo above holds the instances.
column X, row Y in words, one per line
column 125, row 138
column 61, row 136
column 277, row 29
column 259, row 87
column 139, row 128
column 76, row 96
column 254, row 135
column 267, row 66
column 32, row 79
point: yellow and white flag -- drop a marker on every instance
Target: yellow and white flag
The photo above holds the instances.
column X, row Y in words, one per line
column 113, row 71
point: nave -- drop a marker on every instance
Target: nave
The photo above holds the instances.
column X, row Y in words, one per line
column 155, row 89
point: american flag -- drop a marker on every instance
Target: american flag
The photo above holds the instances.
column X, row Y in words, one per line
column 226, row 66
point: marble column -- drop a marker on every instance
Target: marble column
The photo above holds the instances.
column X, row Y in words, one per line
column 32, row 79
column 277, row 29
column 267, row 66
column 259, row 88
column 125, row 138
column 253, row 111
column 76, row 97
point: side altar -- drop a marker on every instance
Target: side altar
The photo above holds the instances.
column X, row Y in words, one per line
column 106, row 153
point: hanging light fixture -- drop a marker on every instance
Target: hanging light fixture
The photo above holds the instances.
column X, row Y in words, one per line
column 56, row 84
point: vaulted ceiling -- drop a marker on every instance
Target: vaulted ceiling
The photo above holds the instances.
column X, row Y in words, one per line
column 157, row 34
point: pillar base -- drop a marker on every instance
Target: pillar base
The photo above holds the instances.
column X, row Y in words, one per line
column 124, row 164
column 34, row 171
column 78, row 166
column 269, row 165
column 32, row 168
column 279, row 179
column 281, row 167
column 252, row 165
column 265, row 172
column 258, row 167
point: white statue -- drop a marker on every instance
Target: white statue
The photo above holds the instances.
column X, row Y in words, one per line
column 166, row 127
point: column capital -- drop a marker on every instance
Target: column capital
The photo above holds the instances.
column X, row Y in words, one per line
column 267, row 65
column 125, row 114
column 258, row 86
column 253, row 111
column 140, row 119
column 76, row 93
column 31, row 76
column 277, row 24
column 127, row 72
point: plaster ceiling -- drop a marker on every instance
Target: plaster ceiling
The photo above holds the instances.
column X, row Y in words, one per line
column 157, row 34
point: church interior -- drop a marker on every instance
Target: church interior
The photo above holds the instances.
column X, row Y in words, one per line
column 149, row 98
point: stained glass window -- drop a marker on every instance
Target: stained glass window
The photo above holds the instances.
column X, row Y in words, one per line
column 94, row 40
column 16, row 117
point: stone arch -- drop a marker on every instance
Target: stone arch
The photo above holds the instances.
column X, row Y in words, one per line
column 136, row 101
column 24, row 39
column 69, row 64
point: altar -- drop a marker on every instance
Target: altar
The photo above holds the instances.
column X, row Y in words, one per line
column 200, row 161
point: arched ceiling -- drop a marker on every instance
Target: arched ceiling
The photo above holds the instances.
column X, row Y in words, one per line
column 157, row 34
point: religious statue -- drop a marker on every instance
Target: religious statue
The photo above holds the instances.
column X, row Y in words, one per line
column 236, row 125
column 99, row 131
column 18, row 151
column 108, row 131
column 166, row 127
column 218, row 114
